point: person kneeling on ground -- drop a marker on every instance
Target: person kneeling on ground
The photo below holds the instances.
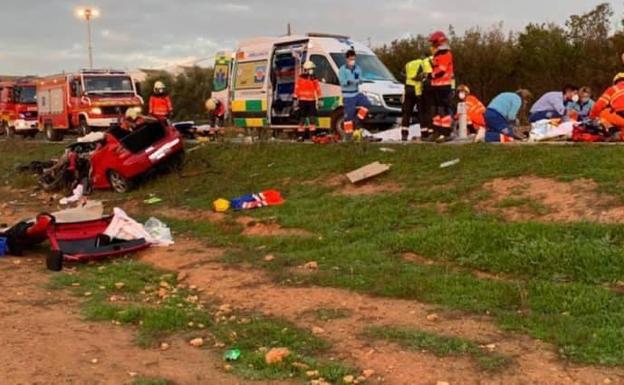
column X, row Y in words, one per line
column 307, row 96
column 216, row 117
column 475, row 110
column 554, row 105
column 356, row 104
column 609, row 109
column 502, row 114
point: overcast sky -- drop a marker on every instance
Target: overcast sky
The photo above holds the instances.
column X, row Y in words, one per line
column 43, row 37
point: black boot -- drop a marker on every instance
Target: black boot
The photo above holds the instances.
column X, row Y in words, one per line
column 404, row 135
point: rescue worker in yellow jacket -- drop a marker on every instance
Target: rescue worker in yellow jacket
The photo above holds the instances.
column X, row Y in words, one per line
column 416, row 72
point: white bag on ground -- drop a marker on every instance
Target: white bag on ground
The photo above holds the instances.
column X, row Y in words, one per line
column 125, row 228
column 545, row 130
column 160, row 233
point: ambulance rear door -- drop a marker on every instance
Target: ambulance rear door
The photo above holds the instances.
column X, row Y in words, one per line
column 250, row 86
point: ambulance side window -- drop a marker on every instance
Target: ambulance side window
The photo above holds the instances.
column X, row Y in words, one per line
column 324, row 70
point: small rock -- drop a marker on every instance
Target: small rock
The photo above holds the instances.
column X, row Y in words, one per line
column 318, row 330
column 348, row 379
column 162, row 293
column 368, row 373
column 276, row 355
column 311, row 265
column 197, row 342
column 95, row 361
column 120, row 285
column 228, row 368
column 88, row 294
column 133, row 374
column 76, row 284
column 312, row 374
column 165, row 285
column 269, row 258
column 491, row 347
column 225, row 309
column 219, row 345
column 300, row 365
column 164, row 346
column 607, row 381
column 433, row 317
column 442, row 383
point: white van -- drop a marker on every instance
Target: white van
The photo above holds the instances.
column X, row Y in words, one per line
column 257, row 81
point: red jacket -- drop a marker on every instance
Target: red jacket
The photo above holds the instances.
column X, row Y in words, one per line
column 613, row 98
column 160, row 106
column 307, row 88
column 443, row 69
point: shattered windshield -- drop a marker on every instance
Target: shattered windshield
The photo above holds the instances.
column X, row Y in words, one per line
column 108, row 84
column 372, row 68
column 26, row 95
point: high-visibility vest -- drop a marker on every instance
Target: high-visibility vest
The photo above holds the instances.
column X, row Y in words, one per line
column 413, row 73
column 443, row 70
column 612, row 98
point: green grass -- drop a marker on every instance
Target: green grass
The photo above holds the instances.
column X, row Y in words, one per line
column 441, row 346
column 139, row 304
column 559, row 272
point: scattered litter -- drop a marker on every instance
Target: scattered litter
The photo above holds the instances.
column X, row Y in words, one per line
column 254, row 201
column 387, row 149
column 232, row 355
column 153, row 201
column 368, row 373
column 367, row 172
column 77, row 195
column 348, row 379
column 451, row 163
column 269, row 258
column 221, row 205
column 433, row 317
column 92, row 210
column 276, row 355
column 164, row 346
column 318, row 330
column 159, row 232
column 313, row 373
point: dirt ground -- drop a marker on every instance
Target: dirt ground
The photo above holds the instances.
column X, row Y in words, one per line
column 341, row 186
column 556, row 201
column 249, row 289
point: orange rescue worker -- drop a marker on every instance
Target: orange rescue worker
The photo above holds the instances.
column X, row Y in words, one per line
column 307, row 96
column 160, row 105
column 442, row 82
column 475, row 109
column 609, row 109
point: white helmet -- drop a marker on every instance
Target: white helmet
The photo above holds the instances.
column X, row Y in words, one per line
column 159, row 86
column 133, row 113
column 309, row 65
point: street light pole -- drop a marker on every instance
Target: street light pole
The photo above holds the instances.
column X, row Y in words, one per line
column 88, row 14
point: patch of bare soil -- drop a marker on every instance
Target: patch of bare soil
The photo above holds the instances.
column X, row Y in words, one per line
column 249, row 289
column 533, row 198
column 367, row 188
column 45, row 341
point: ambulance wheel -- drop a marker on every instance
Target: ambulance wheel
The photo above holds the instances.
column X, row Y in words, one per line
column 83, row 127
column 51, row 134
column 118, row 182
column 54, row 261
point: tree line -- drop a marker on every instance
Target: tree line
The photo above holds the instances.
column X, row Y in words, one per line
column 585, row 51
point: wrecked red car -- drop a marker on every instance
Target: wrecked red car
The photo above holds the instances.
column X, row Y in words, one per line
column 116, row 159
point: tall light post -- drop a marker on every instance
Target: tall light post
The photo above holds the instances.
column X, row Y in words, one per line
column 88, row 14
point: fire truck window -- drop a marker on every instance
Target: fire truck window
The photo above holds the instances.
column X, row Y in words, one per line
column 324, row 70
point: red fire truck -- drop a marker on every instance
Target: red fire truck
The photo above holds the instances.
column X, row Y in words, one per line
column 84, row 101
column 18, row 107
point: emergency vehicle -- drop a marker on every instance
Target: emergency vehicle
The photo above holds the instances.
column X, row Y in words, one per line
column 256, row 83
column 84, row 101
column 18, row 107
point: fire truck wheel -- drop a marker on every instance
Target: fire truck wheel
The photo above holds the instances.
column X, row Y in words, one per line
column 51, row 134
column 83, row 127
column 118, row 182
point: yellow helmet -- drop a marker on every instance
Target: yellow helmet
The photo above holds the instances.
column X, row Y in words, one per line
column 618, row 78
column 221, row 205
column 211, row 104
column 309, row 65
column 159, row 85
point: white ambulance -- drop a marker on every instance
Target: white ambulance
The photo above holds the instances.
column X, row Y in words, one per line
column 257, row 82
